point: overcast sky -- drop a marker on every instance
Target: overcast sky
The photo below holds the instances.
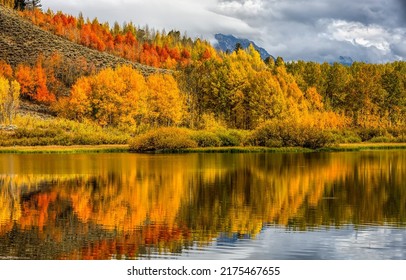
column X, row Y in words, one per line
column 318, row 30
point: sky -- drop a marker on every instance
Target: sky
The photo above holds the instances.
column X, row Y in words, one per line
column 312, row 30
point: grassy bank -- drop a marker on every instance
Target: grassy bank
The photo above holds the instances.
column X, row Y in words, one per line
column 33, row 131
column 119, row 148
column 250, row 149
column 364, row 147
column 64, row 149
column 247, row 150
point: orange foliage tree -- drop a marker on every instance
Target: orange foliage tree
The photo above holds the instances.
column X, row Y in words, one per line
column 5, row 70
column 33, row 81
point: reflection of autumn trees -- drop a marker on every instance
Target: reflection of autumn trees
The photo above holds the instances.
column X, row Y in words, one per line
column 10, row 210
column 260, row 189
column 162, row 203
column 149, row 239
column 370, row 192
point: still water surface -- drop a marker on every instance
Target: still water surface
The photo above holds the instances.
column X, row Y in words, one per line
column 203, row 206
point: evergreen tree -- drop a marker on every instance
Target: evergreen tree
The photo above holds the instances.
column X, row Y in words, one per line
column 27, row 4
column 19, row 5
column 238, row 47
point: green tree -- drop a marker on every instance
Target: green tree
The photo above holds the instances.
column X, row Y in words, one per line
column 238, row 47
column 19, row 4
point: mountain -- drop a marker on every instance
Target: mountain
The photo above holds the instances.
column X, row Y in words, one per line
column 345, row 60
column 227, row 43
column 23, row 42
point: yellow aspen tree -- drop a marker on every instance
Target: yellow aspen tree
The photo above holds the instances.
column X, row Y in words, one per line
column 9, row 99
column 4, row 90
column 13, row 100
column 77, row 106
column 134, row 107
column 314, row 99
column 165, row 103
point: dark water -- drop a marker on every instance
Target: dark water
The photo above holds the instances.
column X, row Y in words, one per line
column 204, row 206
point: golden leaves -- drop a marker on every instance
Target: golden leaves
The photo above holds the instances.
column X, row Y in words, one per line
column 124, row 96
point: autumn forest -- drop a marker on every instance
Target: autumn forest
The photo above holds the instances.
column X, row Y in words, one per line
column 120, row 141
column 195, row 96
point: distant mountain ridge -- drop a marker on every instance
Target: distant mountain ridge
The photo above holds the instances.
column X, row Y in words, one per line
column 345, row 60
column 227, row 43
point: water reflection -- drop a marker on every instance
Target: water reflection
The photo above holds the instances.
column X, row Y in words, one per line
column 101, row 206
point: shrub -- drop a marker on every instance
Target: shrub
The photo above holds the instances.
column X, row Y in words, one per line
column 267, row 135
column 166, row 138
column 231, row 138
column 382, row 139
column 205, row 138
column 399, row 133
column 346, row 136
column 290, row 133
column 367, row 134
column 400, row 139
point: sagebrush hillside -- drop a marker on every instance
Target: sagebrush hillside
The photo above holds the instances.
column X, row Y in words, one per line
column 23, row 42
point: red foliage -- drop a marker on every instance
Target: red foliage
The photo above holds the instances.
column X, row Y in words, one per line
column 33, row 82
column 99, row 37
column 206, row 55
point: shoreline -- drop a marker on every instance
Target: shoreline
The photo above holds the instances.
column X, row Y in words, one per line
column 122, row 148
column 54, row 149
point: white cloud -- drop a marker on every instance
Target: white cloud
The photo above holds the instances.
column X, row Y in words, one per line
column 249, row 7
column 359, row 34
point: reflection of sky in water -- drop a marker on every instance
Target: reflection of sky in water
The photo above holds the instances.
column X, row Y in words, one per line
column 278, row 243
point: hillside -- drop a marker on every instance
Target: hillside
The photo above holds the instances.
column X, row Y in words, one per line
column 23, row 42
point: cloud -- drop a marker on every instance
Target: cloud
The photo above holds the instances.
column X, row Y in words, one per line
column 359, row 34
column 195, row 17
column 323, row 30
column 320, row 30
column 398, row 45
column 402, row 5
column 241, row 7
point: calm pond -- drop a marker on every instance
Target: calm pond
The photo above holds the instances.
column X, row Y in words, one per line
column 349, row 205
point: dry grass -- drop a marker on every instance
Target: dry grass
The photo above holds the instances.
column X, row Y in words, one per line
column 64, row 149
column 365, row 146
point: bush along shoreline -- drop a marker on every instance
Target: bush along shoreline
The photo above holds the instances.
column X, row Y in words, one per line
column 267, row 138
column 54, row 135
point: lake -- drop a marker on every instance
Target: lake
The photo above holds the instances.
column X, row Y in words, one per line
column 347, row 205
